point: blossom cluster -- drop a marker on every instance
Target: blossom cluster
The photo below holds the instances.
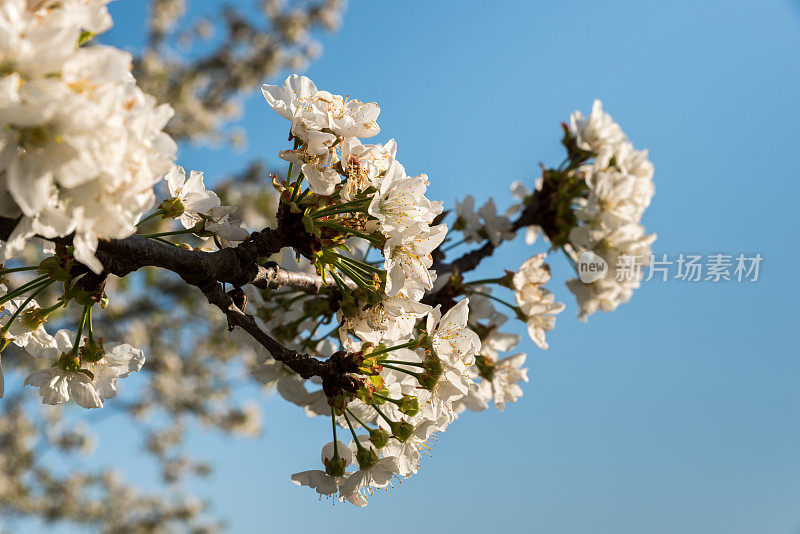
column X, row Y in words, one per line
column 82, row 146
column 409, row 375
column 84, row 370
column 418, row 365
column 620, row 186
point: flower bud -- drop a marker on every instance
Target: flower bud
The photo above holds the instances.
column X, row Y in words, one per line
column 92, row 351
column 57, row 268
column 33, row 319
column 172, row 208
column 433, row 365
column 428, row 381
column 379, row 437
column 409, row 405
column 308, row 224
column 335, row 466
column 4, row 341
column 486, row 367
column 338, row 403
column 366, row 458
column 70, row 361
column 401, row 430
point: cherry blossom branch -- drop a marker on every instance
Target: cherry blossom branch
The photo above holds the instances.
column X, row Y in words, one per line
column 236, row 266
column 208, row 270
column 333, row 371
column 272, row 276
column 531, row 215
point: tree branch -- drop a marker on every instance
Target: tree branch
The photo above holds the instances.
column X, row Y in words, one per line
column 333, row 371
column 531, row 215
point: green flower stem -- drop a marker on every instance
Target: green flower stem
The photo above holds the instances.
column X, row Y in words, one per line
column 303, row 195
column 296, row 189
column 81, row 324
column 406, row 371
column 484, row 281
column 175, row 232
column 398, row 362
column 291, row 164
column 89, row 324
column 18, row 269
column 341, row 283
column 359, row 205
column 23, row 289
column 151, row 216
column 454, row 245
column 164, row 241
column 24, row 305
column 359, row 421
column 570, row 257
column 354, row 276
column 382, row 414
column 487, row 295
column 359, row 264
column 387, row 399
column 352, row 430
column 335, row 441
column 346, row 230
column 390, row 349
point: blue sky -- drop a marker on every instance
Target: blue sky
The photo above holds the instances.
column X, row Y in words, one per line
column 679, row 412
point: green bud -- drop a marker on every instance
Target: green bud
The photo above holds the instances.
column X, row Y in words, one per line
column 486, row 367
column 85, row 36
column 366, row 458
column 401, row 430
column 70, row 361
column 379, row 437
column 508, row 279
column 308, row 224
column 4, row 341
column 57, row 268
column 409, row 405
column 92, row 351
column 172, row 207
column 335, row 466
column 338, row 403
column 428, row 380
column 33, row 319
column 433, row 365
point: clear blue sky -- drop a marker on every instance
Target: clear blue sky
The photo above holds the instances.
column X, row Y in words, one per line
column 680, row 412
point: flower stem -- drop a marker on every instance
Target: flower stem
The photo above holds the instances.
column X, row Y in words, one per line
column 348, row 230
column 359, row 421
column 151, row 216
column 166, row 242
column 390, row 349
column 335, row 441
column 89, row 324
column 484, row 281
column 382, row 414
column 352, row 430
column 81, row 324
column 175, row 232
column 359, row 264
column 454, row 245
column 406, row 371
column 18, row 269
column 398, row 362
column 344, row 207
column 23, row 289
column 488, row 296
